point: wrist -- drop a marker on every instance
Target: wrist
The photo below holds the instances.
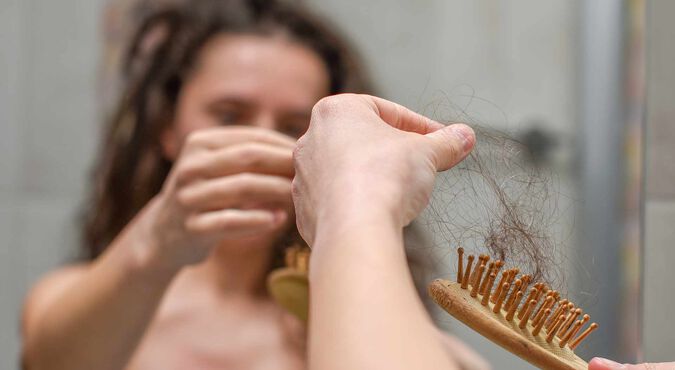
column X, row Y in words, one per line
column 148, row 256
column 351, row 231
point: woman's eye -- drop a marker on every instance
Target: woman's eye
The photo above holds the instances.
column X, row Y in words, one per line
column 294, row 130
column 228, row 118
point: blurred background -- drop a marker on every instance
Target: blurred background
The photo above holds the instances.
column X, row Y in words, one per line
column 568, row 78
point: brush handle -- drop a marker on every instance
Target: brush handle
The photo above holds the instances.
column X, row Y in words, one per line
column 533, row 349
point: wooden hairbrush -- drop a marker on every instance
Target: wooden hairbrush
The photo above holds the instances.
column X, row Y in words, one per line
column 289, row 285
column 543, row 330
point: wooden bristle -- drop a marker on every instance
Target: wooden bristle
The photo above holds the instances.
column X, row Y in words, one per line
column 488, row 288
column 514, row 305
column 541, row 313
column 460, row 265
column 575, row 330
column 531, row 296
column 472, row 277
column 483, row 284
column 583, row 336
column 554, row 328
column 563, row 312
column 479, row 276
column 482, row 260
column 498, row 306
column 540, row 324
column 290, row 257
column 512, row 297
column 526, row 279
column 467, row 273
column 556, row 313
column 568, row 324
column 302, row 263
column 498, row 266
column 498, row 291
column 533, row 306
column 526, row 318
column 553, row 294
column 512, row 276
column 568, row 336
column 568, row 309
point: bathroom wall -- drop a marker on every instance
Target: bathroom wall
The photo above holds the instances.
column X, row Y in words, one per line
column 48, row 55
column 659, row 237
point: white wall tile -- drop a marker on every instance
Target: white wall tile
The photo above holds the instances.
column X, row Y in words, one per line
column 10, row 287
column 10, row 93
column 659, row 297
column 60, row 122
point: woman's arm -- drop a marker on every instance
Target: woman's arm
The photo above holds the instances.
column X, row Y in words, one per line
column 365, row 312
column 93, row 317
column 364, row 170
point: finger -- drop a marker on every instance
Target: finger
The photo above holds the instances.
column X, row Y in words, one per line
column 216, row 138
column 605, row 364
column 233, row 191
column 240, row 158
column 234, row 223
column 450, row 145
column 403, row 118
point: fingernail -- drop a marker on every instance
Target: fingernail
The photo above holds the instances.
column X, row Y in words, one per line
column 609, row 364
column 465, row 134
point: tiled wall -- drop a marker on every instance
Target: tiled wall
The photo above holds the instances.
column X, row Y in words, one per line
column 659, row 293
column 47, row 133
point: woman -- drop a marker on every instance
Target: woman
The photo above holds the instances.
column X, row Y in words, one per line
column 364, row 170
column 192, row 197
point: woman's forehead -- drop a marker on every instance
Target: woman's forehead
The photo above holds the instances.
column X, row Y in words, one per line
column 258, row 66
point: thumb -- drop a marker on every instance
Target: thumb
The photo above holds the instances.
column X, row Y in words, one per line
column 605, row 364
column 451, row 144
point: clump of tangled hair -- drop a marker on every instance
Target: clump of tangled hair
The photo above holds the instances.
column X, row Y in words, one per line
column 131, row 169
column 499, row 201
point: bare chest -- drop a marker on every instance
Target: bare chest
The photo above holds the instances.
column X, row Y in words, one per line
column 217, row 339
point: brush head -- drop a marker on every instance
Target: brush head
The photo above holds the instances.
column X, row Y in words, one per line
column 290, row 289
column 540, row 330
column 289, row 286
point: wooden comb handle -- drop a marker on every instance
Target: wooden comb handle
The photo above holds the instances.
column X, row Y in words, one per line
column 535, row 350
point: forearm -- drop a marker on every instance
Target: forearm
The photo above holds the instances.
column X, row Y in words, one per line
column 98, row 320
column 365, row 312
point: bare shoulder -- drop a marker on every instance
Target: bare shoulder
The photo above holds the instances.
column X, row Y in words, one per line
column 464, row 355
column 44, row 291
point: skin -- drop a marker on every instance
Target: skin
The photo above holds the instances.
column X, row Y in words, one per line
column 605, row 364
column 364, row 170
column 182, row 286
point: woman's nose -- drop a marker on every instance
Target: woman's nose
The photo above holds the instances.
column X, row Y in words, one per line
column 265, row 120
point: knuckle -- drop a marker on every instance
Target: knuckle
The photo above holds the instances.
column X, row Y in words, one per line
column 241, row 184
column 248, row 156
column 186, row 173
column 191, row 226
column 196, row 138
column 183, row 199
column 331, row 105
column 299, row 149
column 295, row 187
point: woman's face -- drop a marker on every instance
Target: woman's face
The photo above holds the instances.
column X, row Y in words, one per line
column 249, row 80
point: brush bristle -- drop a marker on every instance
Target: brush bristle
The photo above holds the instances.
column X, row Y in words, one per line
column 536, row 313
